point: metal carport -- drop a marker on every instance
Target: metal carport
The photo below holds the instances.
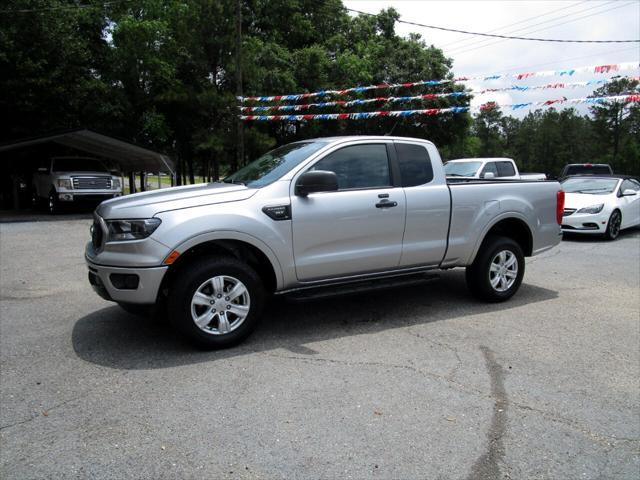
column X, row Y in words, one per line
column 127, row 156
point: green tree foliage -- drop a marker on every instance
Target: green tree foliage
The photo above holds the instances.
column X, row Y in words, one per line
column 161, row 73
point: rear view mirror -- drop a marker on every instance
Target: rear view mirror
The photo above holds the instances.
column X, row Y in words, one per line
column 316, row 181
column 43, row 170
column 628, row 192
column 489, row 175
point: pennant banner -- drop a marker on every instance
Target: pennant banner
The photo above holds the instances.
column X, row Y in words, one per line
column 438, row 111
column 428, row 96
column 610, row 68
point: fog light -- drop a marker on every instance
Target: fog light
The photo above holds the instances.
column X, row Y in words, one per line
column 66, row 197
column 124, row 281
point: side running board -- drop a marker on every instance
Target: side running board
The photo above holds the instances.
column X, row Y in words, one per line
column 360, row 286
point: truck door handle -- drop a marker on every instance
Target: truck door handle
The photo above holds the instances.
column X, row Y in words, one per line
column 386, row 204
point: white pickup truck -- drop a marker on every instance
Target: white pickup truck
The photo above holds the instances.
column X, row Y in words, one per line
column 487, row 168
column 71, row 180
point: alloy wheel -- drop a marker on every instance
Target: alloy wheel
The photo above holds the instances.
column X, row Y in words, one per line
column 503, row 270
column 220, row 305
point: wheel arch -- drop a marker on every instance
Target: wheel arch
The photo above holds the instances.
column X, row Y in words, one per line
column 511, row 226
column 244, row 248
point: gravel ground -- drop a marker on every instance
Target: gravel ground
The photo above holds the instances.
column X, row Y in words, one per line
column 422, row 382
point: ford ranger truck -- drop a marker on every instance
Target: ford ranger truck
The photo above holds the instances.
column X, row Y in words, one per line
column 63, row 181
column 311, row 218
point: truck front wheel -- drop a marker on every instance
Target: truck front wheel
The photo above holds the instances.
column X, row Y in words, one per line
column 216, row 302
column 52, row 203
column 496, row 273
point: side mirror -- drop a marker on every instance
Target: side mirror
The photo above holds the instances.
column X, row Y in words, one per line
column 489, row 175
column 628, row 193
column 316, row 181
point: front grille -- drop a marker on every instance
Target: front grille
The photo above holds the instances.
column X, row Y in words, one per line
column 96, row 235
column 568, row 211
column 92, row 183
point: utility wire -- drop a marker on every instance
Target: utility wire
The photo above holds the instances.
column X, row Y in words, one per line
column 485, row 44
column 507, row 37
column 65, row 7
column 528, row 29
column 526, row 20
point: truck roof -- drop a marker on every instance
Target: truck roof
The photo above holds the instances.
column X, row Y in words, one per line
column 483, row 159
column 345, row 138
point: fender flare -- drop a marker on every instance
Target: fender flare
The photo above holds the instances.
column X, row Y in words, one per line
column 239, row 236
column 498, row 218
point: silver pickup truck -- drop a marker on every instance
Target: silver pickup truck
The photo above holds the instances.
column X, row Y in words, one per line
column 314, row 218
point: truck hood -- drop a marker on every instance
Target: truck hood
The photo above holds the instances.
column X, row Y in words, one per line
column 581, row 200
column 148, row 204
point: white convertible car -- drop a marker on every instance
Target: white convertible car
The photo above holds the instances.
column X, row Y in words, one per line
column 601, row 204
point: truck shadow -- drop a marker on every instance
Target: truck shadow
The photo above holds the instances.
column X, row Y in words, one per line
column 113, row 338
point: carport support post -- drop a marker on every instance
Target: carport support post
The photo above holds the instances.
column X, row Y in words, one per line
column 132, row 182
column 142, row 182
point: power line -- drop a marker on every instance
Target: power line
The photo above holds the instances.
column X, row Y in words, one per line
column 526, row 30
column 485, row 44
column 65, row 7
column 507, row 37
column 526, row 20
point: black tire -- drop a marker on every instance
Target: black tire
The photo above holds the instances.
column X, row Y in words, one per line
column 139, row 310
column 191, row 278
column 613, row 225
column 53, row 205
column 479, row 274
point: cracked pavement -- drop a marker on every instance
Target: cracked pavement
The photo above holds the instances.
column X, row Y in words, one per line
column 420, row 382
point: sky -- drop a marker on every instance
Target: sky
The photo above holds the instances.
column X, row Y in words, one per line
column 559, row 19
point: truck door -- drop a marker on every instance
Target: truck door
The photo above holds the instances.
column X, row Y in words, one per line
column 354, row 230
column 428, row 206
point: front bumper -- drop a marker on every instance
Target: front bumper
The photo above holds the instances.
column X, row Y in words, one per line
column 86, row 196
column 147, row 284
column 585, row 223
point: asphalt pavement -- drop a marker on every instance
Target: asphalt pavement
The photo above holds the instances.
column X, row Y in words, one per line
column 420, row 382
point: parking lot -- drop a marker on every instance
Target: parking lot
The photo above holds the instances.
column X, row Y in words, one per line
column 413, row 383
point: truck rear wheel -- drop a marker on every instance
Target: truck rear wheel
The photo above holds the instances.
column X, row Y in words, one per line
column 216, row 302
column 496, row 273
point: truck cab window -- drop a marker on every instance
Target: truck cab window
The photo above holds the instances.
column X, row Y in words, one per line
column 415, row 165
column 358, row 166
column 505, row 169
column 489, row 167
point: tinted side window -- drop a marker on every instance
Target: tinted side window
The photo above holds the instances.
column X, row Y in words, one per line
column 358, row 166
column 505, row 169
column 415, row 166
column 490, row 167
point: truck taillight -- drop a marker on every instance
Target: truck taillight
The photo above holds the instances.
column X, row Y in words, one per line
column 559, row 206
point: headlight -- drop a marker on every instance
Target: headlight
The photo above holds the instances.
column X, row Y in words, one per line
column 115, row 183
column 64, row 183
column 592, row 209
column 120, row 230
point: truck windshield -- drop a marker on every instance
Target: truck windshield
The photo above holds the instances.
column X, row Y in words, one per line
column 77, row 165
column 274, row 164
column 461, row 169
column 593, row 186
